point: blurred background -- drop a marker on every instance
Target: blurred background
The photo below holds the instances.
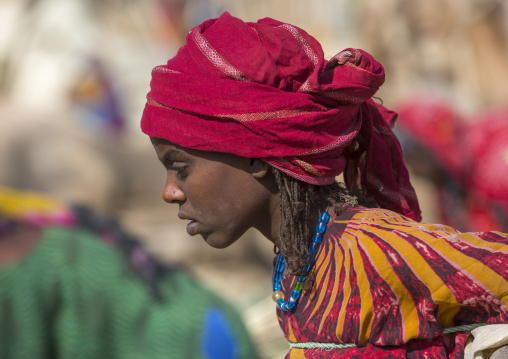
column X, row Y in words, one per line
column 74, row 75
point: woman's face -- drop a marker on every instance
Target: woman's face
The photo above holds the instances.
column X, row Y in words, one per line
column 220, row 195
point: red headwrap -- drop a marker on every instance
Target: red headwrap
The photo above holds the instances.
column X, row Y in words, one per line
column 264, row 90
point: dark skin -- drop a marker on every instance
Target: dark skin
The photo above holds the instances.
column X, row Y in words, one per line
column 222, row 195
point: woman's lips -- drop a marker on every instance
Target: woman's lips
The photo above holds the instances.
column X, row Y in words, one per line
column 192, row 228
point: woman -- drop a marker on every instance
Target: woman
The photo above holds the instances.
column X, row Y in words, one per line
column 253, row 126
column 75, row 285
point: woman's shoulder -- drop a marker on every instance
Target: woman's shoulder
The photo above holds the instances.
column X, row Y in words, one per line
column 378, row 222
column 359, row 216
column 364, row 221
column 378, row 215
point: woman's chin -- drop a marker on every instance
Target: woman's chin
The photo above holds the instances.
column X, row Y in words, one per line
column 218, row 241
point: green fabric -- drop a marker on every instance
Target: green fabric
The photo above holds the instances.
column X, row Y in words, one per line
column 75, row 297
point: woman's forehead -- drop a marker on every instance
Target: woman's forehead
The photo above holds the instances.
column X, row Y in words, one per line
column 156, row 141
column 164, row 147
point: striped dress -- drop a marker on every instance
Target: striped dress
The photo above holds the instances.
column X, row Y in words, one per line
column 392, row 285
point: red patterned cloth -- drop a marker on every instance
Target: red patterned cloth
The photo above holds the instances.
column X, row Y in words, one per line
column 392, row 285
column 264, row 90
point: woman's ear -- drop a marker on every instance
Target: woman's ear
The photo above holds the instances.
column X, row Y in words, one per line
column 259, row 168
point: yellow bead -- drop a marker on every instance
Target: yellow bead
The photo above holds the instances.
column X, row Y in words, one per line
column 277, row 295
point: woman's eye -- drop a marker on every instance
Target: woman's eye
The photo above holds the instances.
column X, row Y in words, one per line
column 179, row 167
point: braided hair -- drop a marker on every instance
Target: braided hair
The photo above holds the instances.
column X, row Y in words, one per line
column 297, row 200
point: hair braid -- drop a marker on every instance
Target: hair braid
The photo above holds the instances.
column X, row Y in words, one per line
column 297, row 200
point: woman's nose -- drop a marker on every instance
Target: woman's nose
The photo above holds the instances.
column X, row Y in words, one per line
column 172, row 193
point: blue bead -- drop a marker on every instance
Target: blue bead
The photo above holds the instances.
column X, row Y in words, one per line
column 317, row 237
column 277, row 277
column 291, row 305
column 310, row 258
column 280, row 263
column 306, row 268
column 285, row 307
column 302, row 279
column 324, row 217
column 294, row 296
column 321, row 227
column 276, row 286
column 314, row 247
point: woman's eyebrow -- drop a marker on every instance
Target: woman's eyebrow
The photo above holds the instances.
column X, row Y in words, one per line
column 173, row 155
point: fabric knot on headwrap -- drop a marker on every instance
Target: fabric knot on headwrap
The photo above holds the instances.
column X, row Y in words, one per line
column 264, row 90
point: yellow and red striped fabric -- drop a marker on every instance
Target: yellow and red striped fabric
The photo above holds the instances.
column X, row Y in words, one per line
column 391, row 285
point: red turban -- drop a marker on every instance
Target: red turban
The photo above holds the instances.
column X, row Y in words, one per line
column 264, row 90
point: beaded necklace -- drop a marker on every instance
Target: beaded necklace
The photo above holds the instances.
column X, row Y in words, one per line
column 278, row 296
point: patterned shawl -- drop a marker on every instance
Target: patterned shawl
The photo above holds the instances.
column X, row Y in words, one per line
column 264, row 90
